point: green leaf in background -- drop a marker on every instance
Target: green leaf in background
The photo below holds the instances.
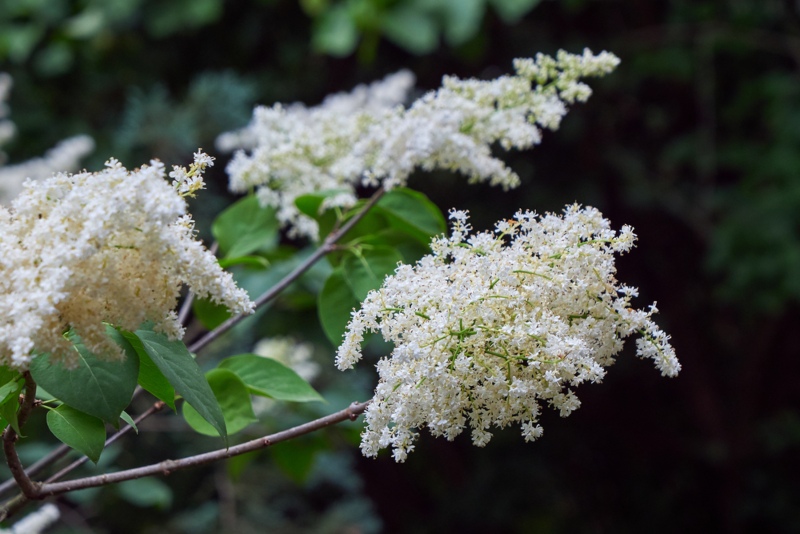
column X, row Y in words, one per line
column 209, row 314
column 146, row 492
column 335, row 32
column 512, row 10
column 98, row 387
column 409, row 248
column 245, row 227
column 249, row 261
column 296, row 457
column 311, row 204
column 234, row 399
column 82, row 432
column 367, row 270
column 412, row 212
column 150, row 377
column 270, row 378
column 462, row 19
column 335, row 304
column 413, row 29
column 176, row 363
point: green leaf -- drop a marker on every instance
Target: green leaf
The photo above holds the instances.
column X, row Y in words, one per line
column 234, row 399
column 412, row 29
column 335, row 305
column 311, row 204
column 409, row 248
column 335, row 33
column 270, row 378
column 146, row 492
column 245, row 227
column 249, row 261
column 174, row 360
column 150, row 376
column 209, row 314
column 98, row 387
column 82, row 432
column 296, row 457
column 412, row 212
column 462, row 20
column 8, row 411
column 512, row 10
column 367, row 271
column 128, row 419
column 12, row 383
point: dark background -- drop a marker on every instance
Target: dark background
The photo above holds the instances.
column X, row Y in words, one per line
column 694, row 141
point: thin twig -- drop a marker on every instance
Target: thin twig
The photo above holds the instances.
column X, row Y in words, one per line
column 166, row 467
column 326, row 247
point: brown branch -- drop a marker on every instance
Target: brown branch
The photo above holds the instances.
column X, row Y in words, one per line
column 166, row 467
column 29, row 488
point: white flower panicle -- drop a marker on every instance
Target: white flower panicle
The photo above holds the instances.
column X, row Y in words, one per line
column 493, row 324
column 367, row 138
column 116, row 246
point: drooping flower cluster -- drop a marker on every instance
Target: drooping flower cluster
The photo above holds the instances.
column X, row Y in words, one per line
column 491, row 325
column 114, row 246
column 367, row 138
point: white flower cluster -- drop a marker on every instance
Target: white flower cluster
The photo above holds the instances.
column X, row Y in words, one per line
column 78, row 251
column 490, row 325
column 340, row 145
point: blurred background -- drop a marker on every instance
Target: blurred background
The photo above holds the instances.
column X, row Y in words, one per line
column 694, row 141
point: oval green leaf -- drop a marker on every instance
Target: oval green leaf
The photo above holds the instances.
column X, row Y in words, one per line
column 82, row 432
column 234, row 399
column 96, row 386
column 176, row 363
column 367, row 270
column 245, row 227
column 412, row 212
column 270, row 378
column 335, row 304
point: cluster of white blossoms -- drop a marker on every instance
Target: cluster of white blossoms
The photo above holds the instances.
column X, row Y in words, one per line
column 368, row 138
column 116, row 246
column 492, row 324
